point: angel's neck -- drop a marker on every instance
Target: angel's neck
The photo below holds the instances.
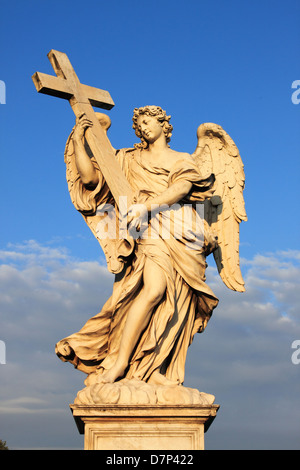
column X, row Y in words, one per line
column 157, row 148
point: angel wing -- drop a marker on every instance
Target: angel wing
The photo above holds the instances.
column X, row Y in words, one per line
column 116, row 250
column 225, row 210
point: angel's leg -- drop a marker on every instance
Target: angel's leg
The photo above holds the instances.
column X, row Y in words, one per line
column 138, row 318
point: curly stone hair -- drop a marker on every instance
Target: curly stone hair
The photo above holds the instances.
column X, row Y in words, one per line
column 162, row 118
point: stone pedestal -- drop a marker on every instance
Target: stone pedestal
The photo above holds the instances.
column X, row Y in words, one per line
column 143, row 427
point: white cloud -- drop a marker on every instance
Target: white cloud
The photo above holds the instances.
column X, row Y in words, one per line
column 243, row 357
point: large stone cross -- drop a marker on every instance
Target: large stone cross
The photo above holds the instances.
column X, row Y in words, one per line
column 82, row 98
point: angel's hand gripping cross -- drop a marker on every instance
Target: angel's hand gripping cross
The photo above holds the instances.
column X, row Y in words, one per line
column 82, row 98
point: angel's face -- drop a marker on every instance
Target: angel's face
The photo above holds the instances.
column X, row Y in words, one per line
column 149, row 127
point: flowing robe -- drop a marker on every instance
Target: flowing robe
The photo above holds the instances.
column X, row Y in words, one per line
column 188, row 302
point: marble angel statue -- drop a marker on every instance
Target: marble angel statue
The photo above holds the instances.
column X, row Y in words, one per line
column 160, row 299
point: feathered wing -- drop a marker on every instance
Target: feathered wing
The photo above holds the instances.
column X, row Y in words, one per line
column 225, row 210
column 116, row 250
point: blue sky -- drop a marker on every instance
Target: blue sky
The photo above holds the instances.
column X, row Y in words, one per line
column 232, row 63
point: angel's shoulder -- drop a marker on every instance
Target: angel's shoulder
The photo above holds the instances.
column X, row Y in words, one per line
column 178, row 159
column 179, row 155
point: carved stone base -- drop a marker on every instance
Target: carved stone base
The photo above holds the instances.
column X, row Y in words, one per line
column 143, row 427
column 137, row 392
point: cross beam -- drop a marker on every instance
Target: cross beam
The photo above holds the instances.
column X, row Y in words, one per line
column 82, row 98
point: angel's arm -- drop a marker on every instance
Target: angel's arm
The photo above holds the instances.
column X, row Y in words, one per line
column 85, row 167
column 175, row 193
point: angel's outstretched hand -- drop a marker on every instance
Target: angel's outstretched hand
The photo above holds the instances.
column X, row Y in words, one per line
column 137, row 215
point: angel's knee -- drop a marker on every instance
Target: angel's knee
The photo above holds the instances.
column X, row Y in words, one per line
column 153, row 295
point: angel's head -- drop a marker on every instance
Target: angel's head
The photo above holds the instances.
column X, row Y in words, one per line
column 161, row 119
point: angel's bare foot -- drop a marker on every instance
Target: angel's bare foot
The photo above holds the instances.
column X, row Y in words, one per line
column 112, row 374
column 159, row 379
